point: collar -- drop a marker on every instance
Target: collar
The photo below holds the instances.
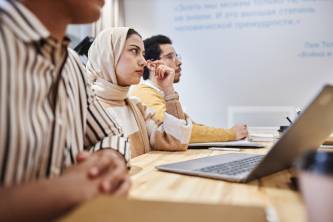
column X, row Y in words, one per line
column 151, row 84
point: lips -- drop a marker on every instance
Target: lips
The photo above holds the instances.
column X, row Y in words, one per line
column 140, row 72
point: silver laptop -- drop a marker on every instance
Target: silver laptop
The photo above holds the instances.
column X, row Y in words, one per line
column 308, row 132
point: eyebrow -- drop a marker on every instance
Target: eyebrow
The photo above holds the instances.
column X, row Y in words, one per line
column 135, row 46
column 143, row 51
column 170, row 53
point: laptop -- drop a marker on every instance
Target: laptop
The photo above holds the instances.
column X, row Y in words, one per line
column 307, row 132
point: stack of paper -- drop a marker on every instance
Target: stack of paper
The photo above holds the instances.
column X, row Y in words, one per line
column 239, row 143
column 261, row 137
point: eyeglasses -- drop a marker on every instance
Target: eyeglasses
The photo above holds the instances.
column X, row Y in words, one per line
column 172, row 56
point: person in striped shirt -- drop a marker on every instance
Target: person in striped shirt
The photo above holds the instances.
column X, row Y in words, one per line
column 51, row 122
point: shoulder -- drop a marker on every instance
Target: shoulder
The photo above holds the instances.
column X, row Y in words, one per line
column 145, row 110
column 12, row 49
column 137, row 102
column 73, row 55
column 7, row 38
column 74, row 62
column 145, row 90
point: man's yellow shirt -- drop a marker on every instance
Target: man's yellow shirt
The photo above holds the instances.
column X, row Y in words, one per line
column 152, row 98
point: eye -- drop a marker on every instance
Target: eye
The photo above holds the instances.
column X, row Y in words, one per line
column 135, row 51
column 170, row 56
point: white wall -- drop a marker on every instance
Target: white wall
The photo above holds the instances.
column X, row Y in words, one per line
column 243, row 54
column 78, row 32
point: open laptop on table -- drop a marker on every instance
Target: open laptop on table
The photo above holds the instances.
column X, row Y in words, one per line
column 308, row 132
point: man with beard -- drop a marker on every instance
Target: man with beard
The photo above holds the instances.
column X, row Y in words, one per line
column 159, row 48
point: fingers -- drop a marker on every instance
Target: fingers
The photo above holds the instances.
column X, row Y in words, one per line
column 105, row 160
column 109, row 169
column 240, row 126
column 104, row 171
column 162, row 72
column 82, row 156
column 245, row 131
column 153, row 65
column 114, row 178
column 158, row 72
column 241, row 131
column 123, row 189
column 160, row 69
column 159, row 66
column 158, row 63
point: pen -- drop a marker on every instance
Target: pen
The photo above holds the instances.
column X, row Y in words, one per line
column 289, row 120
column 224, row 149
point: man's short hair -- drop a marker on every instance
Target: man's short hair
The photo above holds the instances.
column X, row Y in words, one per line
column 153, row 50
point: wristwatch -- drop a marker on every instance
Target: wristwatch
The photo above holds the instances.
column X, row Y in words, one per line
column 173, row 96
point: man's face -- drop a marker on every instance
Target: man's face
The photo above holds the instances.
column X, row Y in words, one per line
column 84, row 11
column 170, row 58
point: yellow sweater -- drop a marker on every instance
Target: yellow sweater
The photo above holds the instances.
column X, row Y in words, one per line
column 153, row 98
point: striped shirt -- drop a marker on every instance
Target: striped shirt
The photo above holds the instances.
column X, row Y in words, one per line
column 48, row 112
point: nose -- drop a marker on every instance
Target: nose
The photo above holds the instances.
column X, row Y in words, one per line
column 179, row 62
column 142, row 62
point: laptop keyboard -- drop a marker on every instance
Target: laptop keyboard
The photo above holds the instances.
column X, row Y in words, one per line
column 234, row 167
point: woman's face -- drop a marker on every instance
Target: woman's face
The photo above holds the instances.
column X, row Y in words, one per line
column 131, row 62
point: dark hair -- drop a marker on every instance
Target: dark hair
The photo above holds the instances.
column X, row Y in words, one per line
column 153, row 50
column 132, row 32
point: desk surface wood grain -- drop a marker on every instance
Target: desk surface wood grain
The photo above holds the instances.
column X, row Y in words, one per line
column 272, row 192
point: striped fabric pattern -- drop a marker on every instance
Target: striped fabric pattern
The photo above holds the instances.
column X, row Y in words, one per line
column 48, row 112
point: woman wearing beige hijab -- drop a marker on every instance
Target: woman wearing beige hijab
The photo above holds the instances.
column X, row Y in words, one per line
column 115, row 62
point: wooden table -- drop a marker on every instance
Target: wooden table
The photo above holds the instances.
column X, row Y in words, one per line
column 272, row 192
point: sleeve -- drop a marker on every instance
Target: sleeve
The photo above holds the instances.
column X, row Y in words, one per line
column 173, row 134
column 101, row 130
column 153, row 100
column 173, row 106
column 202, row 133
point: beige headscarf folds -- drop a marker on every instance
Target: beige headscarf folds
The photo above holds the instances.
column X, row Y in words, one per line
column 103, row 57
